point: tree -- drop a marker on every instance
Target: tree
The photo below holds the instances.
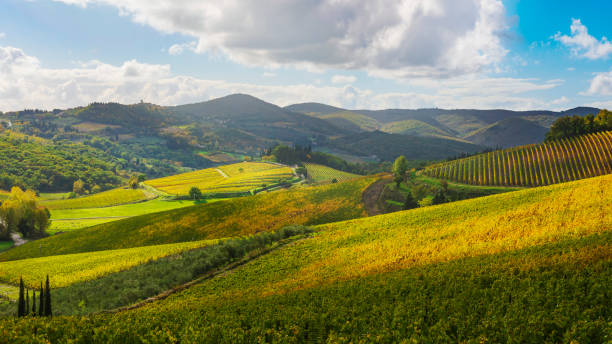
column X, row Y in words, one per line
column 410, row 202
column 334, row 180
column 195, row 193
column 142, row 178
column 78, row 187
column 34, row 302
column 21, row 213
column 41, row 301
column 21, row 301
column 133, row 182
column 444, row 185
column 48, row 311
column 439, row 198
column 27, row 302
column 400, row 166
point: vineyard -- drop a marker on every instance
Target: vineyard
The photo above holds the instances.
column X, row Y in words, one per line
column 536, row 260
column 72, row 268
column 234, row 178
column 533, row 165
column 235, row 217
column 102, row 199
column 320, row 173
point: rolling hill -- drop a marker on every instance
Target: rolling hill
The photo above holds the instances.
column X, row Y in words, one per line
column 533, row 165
column 530, row 266
column 509, row 132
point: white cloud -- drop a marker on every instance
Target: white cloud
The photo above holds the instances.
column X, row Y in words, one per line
column 25, row 83
column 601, row 84
column 269, row 75
column 388, row 38
column 584, row 45
column 343, row 79
column 177, row 49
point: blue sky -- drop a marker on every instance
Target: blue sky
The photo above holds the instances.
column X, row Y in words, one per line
column 360, row 54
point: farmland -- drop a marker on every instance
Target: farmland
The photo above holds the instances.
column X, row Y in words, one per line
column 230, row 218
column 537, row 260
column 234, row 178
column 72, row 268
column 102, row 199
column 533, row 165
column 320, row 173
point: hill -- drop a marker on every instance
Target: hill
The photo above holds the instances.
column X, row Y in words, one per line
column 45, row 165
column 231, row 218
column 313, row 108
column 352, row 121
column 509, row 132
column 537, row 261
column 235, row 178
column 321, row 173
column 389, row 146
column 533, row 165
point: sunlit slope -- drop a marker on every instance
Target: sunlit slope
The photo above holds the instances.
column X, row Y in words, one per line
column 72, row 268
column 102, row 199
column 321, row 173
column 533, row 165
column 241, row 177
column 528, row 266
column 230, row 218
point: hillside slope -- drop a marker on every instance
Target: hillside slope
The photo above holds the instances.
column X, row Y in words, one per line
column 533, row 165
column 508, row 133
column 230, row 218
column 526, row 266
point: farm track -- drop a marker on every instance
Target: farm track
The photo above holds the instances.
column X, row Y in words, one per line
column 370, row 195
column 210, row 275
column 222, row 173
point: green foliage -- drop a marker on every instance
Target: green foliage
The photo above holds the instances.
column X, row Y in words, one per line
column 22, row 213
column 133, row 182
column 78, row 187
column 195, row 193
column 400, row 167
column 46, row 165
column 410, row 202
column 572, row 126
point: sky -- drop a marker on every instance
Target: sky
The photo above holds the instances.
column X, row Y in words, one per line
column 357, row 54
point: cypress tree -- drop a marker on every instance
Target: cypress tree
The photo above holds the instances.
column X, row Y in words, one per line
column 41, row 301
column 410, row 202
column 21, row 301
column 33, row 302
column 48, row 299
column 27, row 302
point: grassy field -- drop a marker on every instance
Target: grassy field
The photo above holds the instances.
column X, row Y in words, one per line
column 72, row 268
column 4, row 195
column 241, row 177
column 533, row 165
column 5, row 245
column 526, row 266
column 320, row 173
column 102, row 199
column 61, row 226
column 231, row 218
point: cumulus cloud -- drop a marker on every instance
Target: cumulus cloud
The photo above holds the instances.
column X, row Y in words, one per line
column 388, row 38
column 25, row 83
column 601, row 84
column 177, row 49
column 582, row 44
column 343, row 79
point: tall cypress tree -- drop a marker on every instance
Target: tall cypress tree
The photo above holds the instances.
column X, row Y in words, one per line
column 21, row 301
column 41, row 301
column 27, row 302
column 33, row 302
column 48, row 311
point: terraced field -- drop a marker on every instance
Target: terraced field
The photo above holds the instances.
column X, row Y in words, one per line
column 234, row 178
column 72, row 268
column 527, row 266
column 102, row 199
column 533, row 165
column 231, row 218
column 320, row 173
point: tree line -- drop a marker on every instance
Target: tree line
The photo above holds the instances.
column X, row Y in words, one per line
column 44, row 303
column 572, row 126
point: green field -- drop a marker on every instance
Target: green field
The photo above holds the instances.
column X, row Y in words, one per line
column 234, row 178
column 102, row 199
column 320, row 173
column 5, row 245
column 230, row 218
column 527, row 266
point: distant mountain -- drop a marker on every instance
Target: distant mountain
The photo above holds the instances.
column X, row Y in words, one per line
column 387, row 147
column 313, row 108
column 509, row 132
